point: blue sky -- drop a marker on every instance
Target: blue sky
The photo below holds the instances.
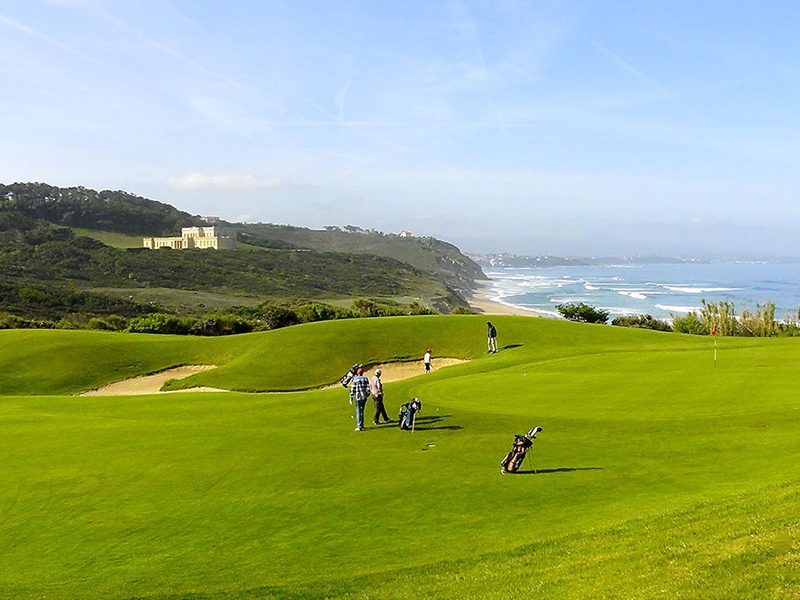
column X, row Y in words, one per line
column 585, row 127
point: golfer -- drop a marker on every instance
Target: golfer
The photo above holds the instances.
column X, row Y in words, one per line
column 426, row 360
column 359, row 392
column 492, row 337
column 376, row 389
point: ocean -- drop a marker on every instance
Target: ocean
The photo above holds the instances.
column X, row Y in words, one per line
column 661, row 290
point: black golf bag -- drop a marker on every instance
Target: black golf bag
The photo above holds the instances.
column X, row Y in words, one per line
column 407, row 415
column 348, row 377
column 522, row 443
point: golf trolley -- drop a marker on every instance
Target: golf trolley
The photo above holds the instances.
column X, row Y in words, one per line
column 407, row 417
column 522, row 443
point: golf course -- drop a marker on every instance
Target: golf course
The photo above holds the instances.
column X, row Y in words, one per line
column 659, row 473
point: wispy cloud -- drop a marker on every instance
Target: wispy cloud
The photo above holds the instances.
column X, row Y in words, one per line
column 229, row 182
column 631, row 70
column 29, row 31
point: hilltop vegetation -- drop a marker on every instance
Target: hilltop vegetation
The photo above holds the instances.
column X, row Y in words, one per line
column 55, row 272
column 425, row 253
column 657, row 473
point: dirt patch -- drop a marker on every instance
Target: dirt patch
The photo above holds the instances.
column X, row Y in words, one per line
column 398, row 371
column 151, row 384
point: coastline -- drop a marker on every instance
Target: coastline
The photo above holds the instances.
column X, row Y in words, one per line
column 480, row 302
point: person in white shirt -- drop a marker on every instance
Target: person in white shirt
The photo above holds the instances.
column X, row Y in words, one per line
column 376, row 389
column 427, row 360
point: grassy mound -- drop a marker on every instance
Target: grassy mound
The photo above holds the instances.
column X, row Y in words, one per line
column 659, row 474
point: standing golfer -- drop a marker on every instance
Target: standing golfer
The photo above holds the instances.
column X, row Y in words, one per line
column 426, row 360
column 359, row 391
column 492, row 337
column 376, row 389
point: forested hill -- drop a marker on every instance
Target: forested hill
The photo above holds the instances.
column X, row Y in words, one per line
column 107, row 210
column 75, row 253
column 428, row 254
column 121, row 212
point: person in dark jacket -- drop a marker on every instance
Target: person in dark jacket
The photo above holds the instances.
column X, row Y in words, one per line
column 492, row 337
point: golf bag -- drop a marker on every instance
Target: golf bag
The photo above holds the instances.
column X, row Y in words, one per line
column 522, row 443
column 407, row 415
column 348, row 377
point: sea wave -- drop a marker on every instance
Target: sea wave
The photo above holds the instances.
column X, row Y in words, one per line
column 633, row 294
column 698, row 290
column 678, row 309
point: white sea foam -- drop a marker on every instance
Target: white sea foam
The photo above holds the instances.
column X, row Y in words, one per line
column 698, row 290
column 633, row 294
column 678, row 309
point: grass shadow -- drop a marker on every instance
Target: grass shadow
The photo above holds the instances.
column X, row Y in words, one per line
column 558, row 470
column 510, row 347
column 424, row 423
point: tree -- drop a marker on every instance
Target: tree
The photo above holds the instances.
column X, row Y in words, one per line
column 582, row 312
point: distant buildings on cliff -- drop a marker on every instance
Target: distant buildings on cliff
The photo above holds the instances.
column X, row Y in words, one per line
column 218, row 238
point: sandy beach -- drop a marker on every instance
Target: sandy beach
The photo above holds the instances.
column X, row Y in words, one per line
column 480, row 302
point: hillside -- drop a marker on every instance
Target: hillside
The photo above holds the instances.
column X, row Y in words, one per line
column 38, row 253
column 657, row 475
column 443, row 260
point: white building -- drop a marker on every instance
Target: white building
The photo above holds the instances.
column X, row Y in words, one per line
column 218, row 238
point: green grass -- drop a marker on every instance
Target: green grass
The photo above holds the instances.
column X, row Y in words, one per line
column 110, row 238
column 660, row 475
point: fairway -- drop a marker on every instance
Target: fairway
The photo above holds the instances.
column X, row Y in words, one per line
column 658, row 473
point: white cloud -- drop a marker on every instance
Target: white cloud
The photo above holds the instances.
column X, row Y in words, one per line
column 200, row 181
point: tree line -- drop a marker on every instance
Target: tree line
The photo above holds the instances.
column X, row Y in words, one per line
column 717, row 318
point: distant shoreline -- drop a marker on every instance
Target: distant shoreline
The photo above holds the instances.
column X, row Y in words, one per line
column 480, row 302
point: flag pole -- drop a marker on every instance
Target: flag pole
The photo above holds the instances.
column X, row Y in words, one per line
column 714, row 334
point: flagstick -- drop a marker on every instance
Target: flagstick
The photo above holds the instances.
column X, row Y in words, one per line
column 715, row 351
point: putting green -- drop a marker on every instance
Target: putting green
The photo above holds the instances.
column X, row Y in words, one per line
column 658, row 473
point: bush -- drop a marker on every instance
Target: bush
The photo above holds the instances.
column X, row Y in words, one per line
column 415, row 308
column 461, row 310
column 370, row 308
column 318, row 311
column 9, row 321
column 582, row 312
column 721, row 315
column 214, row 324
column 158, row 323
column 109, row 323
column 642, row 322
column 690, row 324
column 275, row 317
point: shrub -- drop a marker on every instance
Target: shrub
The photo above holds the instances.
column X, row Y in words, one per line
column 9, row 321
column 582, row 312
column 108, row 323
column 690, row 324
column 364, row 307
column 158, row 323
column 218, row 324
column 461, row 310
column 760, row 323
column 275, row 317
column 318, row 311
column 642, row 322
column 415, row 308
column 721, row 315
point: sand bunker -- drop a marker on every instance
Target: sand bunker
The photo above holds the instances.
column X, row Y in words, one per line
column 151, row 384
column 403, row 370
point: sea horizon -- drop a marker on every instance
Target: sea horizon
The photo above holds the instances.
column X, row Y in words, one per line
column 661, row 290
